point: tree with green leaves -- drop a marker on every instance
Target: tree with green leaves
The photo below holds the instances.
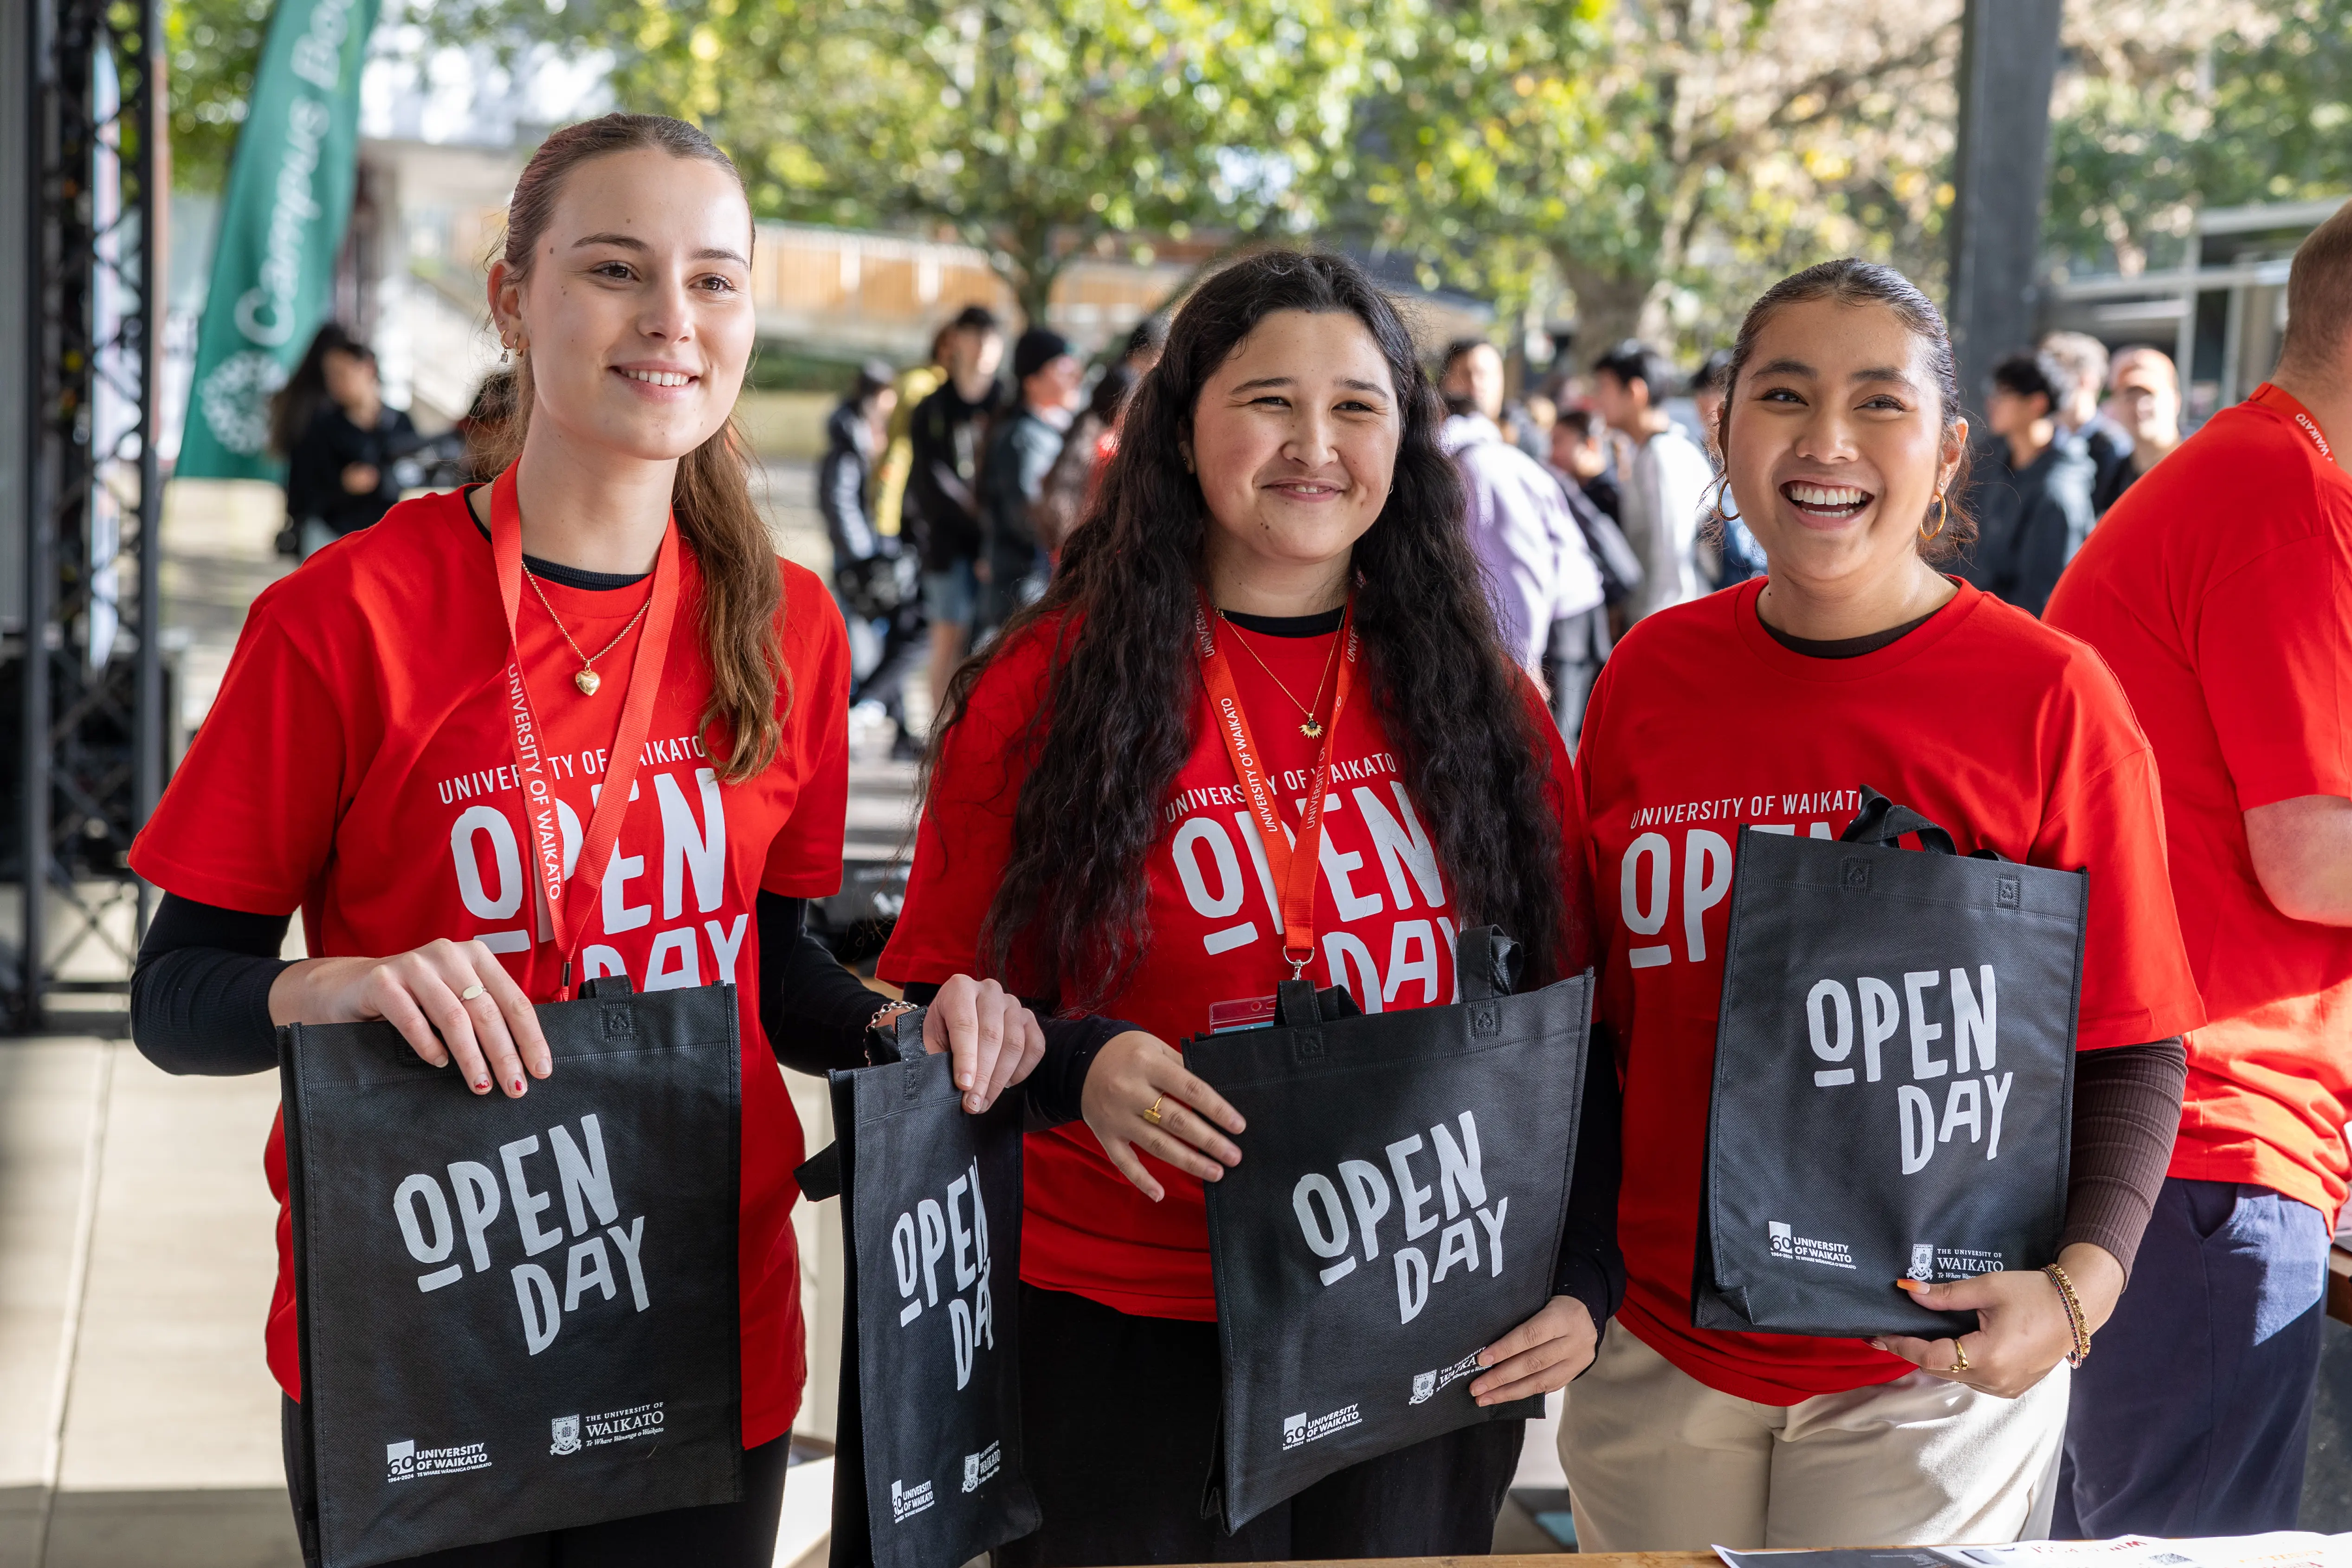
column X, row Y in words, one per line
column 1039, row 131
column 213, row 47
column 2172, row 107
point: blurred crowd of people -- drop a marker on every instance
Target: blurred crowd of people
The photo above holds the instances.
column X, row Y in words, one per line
column 948, row 488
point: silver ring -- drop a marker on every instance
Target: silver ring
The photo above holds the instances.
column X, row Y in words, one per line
column 469, row 993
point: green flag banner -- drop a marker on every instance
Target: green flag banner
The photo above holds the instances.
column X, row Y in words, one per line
column 289, row 197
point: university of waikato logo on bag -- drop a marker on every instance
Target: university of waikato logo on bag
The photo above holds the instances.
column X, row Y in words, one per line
column 565, row 1431
column 400, row 1460
column 1923, row 1262
column 979, row 1469
column 1784, row 1241
column 905, row 1502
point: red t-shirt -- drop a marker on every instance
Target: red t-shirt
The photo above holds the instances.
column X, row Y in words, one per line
column 359, row 764
column 2220, row 589
column 2008, row 734
column 1383, row 924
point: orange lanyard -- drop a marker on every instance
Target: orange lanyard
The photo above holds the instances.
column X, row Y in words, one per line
column 1293, row 867
column 2270, row 396
column 636, row 717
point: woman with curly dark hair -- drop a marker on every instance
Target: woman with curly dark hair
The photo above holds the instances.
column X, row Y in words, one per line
column 1280, row 517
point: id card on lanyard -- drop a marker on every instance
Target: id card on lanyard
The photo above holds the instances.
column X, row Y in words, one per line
column 540, row 825
column 1294, row 866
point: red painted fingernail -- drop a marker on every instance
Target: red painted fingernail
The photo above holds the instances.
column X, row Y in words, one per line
column 518, row 1085
column 481, row 1085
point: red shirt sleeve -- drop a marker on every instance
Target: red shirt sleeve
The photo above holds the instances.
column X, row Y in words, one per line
column 249, row 821
column 2136, row 984
column 965, row 838
column 805, row 857
column 2273, row 646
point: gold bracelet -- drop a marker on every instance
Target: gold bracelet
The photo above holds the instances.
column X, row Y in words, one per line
column 2074, row 1320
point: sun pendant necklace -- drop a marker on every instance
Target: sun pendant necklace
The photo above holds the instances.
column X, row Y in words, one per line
column 1310, row 727
column 587, row 680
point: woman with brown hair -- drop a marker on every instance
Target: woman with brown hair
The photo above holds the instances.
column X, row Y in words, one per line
column 1279, row 527
column 1853, row 661
column 360, row 762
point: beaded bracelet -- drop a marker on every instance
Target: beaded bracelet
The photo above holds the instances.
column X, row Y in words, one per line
column 2082, row 1351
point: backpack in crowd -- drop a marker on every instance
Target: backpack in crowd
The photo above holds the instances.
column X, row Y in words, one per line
column 1894, row 1077
column 1397, row 1210
column 928, row 1465
column 517, row 1315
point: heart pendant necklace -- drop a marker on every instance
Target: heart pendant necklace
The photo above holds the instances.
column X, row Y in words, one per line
column 587, row 679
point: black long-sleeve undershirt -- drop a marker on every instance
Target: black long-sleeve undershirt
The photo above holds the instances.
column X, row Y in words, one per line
column 200, row 995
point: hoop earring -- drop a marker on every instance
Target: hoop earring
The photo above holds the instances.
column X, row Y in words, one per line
column 1943, row 516
column 1715, row 512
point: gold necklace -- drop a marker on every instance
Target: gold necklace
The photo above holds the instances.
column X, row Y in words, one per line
column 1313, row 727
column 587, row 680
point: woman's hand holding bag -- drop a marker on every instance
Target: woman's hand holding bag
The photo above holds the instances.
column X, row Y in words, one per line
column 1541, row 1355
column 994, row 1040
column 2025, row 1330
column 449, row 1000
column 1139, row 1095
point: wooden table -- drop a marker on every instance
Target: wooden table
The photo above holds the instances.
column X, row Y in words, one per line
column 1611, row 1559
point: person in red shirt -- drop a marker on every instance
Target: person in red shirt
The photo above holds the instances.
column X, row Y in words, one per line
column 2219, row 590
column 359, row 762
column 1854, row 662
column 1278, row 505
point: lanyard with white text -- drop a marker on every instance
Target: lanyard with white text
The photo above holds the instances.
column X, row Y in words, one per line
column 636, row 717
column 1294, row 866
column 2269, row 395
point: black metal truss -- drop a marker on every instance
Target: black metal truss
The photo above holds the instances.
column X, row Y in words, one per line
column 92, row 701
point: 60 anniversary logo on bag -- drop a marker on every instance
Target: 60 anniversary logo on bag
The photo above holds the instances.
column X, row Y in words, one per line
column 517, row 1315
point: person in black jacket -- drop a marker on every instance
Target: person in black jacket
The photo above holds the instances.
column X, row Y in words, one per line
column 1021, row 447
column 342, row 446
column 948, row 433
column 2033, row 500
column 871, row 577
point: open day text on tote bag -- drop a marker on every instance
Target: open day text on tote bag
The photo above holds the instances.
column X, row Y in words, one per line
column 518, row 1315
column 1397, row 1210
column 928, row 1473
column 1894, row 1077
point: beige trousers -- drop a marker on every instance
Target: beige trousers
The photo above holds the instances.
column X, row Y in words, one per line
column 1658, row 1461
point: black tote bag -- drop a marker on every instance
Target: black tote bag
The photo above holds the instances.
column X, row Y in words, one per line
column 517, row 1315
column 1397, row 1210
column 928, row 1465
column 1894, row 1077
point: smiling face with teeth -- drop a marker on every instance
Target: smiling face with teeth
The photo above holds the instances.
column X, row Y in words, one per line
column 635, row 308
column 1837, row 446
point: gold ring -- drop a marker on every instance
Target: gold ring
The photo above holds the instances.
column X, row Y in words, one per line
column 469, row 993
column 1151, row 1112
column 1961, row 1360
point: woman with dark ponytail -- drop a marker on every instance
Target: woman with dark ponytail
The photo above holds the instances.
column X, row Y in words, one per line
column 360, row 762
column 1279, row 520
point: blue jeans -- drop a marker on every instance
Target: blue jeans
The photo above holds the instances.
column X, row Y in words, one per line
column 2191, row 1416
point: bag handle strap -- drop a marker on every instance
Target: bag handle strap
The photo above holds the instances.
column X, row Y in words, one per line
column 1487, row 963
column 1882, row 822
column 901, row 1041
column 1298, row 1005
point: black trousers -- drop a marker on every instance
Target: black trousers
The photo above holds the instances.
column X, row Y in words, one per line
column 1119, row 1422
column 724, row 1535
